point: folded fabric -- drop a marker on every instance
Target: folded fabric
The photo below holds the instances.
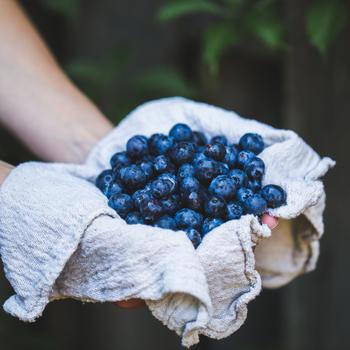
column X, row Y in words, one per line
column 59, row 239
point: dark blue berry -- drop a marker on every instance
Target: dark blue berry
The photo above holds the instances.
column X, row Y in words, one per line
column 254, row 185
column 194, row 236
column 189, row 184
column 137, row 147
column 141, row 196
column 113, row 188
column 234, row 210
column 252, row 142
column 231, row 156
column 104, row 180
column 199, row 138
column 223, row 168
column 133, row 177
column 255, row 205
column 171, row 178
column 206, row 170
column 120, row 160
column 215, row 206
column 274, row 195
column 188, row 218
column 161, row 188
column 215, row 151
column 255, row 169
column 160, row 144
column 147, row 168
column 171, row 204
column 239, row 177
column 219, row 139
column 134, row 218
column 243, row 158
column 166, row 222
column 185, row 170
column 151, row 209
column 223, row 186
column 181, row 132
column 194, row 200
column 183, row 152
column 244, row 193
column 163, row 164
column 209, row 225
column 198, row 157
column 121, row 203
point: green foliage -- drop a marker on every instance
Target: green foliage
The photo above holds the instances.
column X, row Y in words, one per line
column 165, row 81
column 175, row 9
column 324, row 21
column 67, row 8
column 217, row 39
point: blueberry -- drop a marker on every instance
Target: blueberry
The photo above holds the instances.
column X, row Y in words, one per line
column 199, row 138
column 160, row 144
column 137, row 146
column 215, row 206
column 274, row 195
column 243, row 158
column 243, row 194
column 210, row 224
column 234, row 210
column 104, row 180
column 141, row 196
column 113, row 188
column 206, row 170
column 161, row 188
column 163, row 164
column 166, row 222
column 223, row 186
column 151, row 209
column 255, row 205
column 255, row 169
column 215, row 151
column 147, row 168
column 189, row 184
column 223, row 168
column 119, row 160
column 231, row 156
column 194, row 236
column 171, row 204
column 185, row 170
column 193, row 200
column 239, row 177
column 121, row 203
column 134, row 218
column 252, row 142
column 254, row 185
column 182, row 152
column 219, row 139
column 188, row 218
column 181, row 132
column 198, row 157
column 171, row 178
column 133, row 177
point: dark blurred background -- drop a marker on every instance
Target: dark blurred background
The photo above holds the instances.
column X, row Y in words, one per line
column 286, row 63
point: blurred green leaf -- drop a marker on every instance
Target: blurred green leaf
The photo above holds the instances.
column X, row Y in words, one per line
column 217, row 39
column 175, row 9
column 67, row 8
column 266, row 24
column 163, row 81
column 324, row 21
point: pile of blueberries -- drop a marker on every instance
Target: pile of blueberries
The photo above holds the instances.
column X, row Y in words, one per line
column 181, row 182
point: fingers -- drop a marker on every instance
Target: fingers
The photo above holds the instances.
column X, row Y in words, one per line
column 131, row 304
column 270, row 221
column 5, row 170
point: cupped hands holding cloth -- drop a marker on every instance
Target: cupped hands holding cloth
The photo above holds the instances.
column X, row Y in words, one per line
column 59, row 239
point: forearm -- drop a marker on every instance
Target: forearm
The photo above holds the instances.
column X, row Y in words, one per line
column 38, row 103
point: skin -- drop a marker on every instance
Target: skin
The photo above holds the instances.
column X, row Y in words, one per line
column 42, row 107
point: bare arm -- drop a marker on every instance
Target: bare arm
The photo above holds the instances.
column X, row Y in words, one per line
column 38, row 103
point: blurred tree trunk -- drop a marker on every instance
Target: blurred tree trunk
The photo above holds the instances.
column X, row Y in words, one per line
column 318, row 107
